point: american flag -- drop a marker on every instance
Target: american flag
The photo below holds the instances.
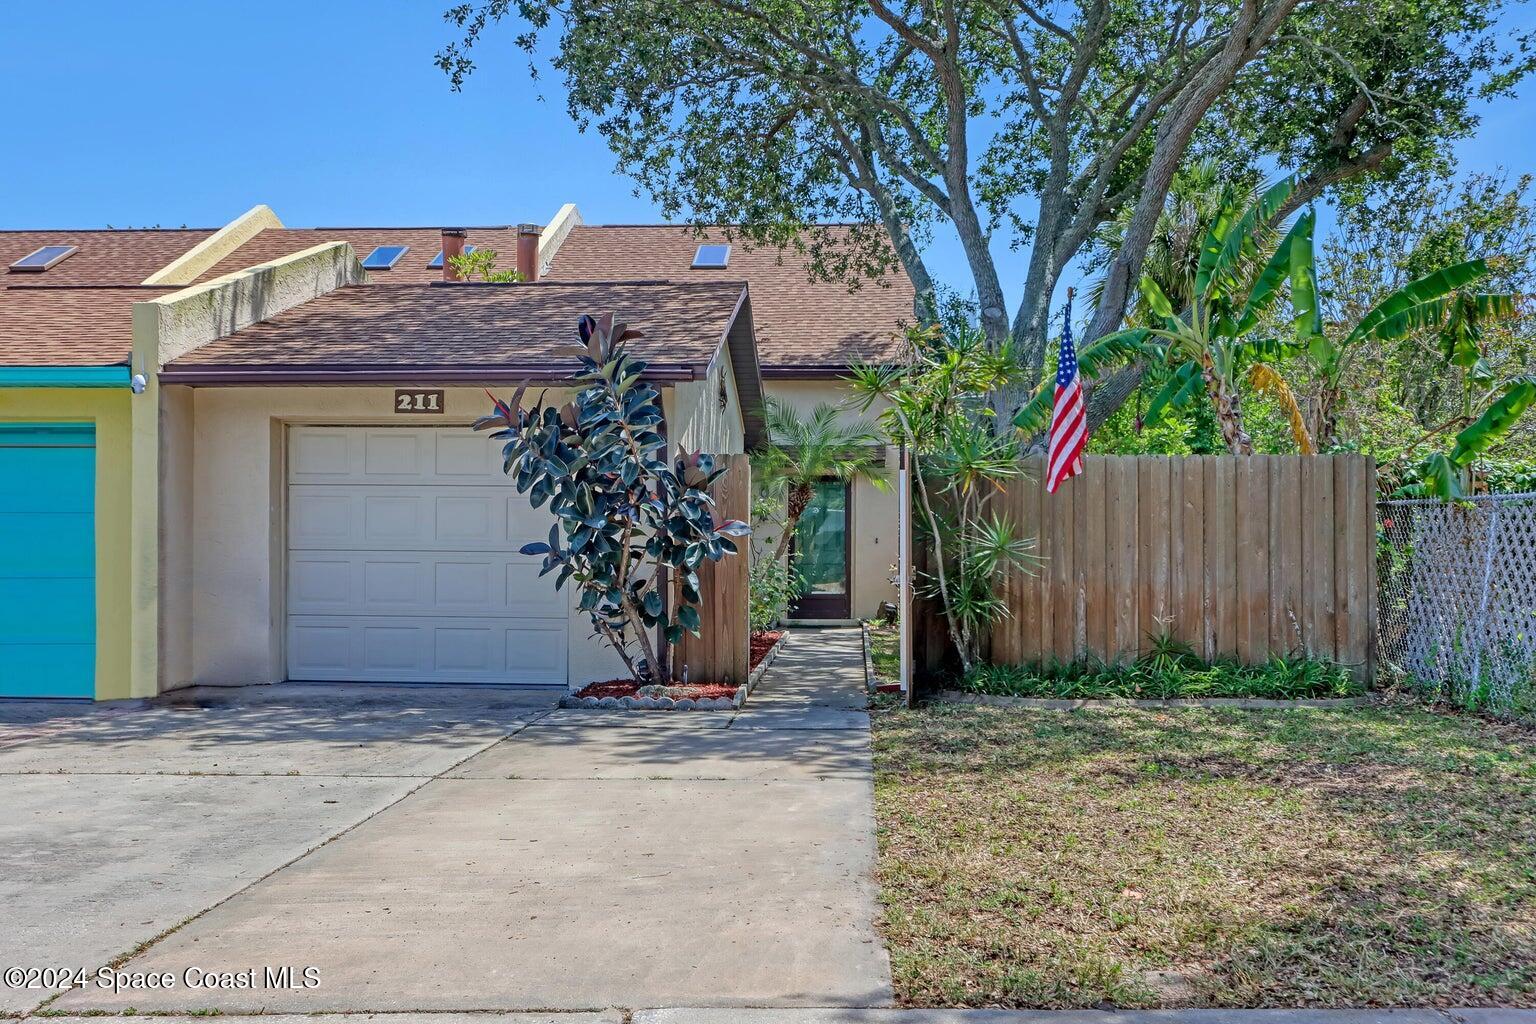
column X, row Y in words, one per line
column 1069, row 417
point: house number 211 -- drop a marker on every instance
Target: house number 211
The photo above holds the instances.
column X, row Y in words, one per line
column 418, row 401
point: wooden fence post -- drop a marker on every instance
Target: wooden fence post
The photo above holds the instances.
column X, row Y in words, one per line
column 722, row 650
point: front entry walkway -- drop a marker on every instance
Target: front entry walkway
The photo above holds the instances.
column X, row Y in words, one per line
column 588, row 860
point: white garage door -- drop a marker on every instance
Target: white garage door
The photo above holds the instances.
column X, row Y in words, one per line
column 403, row 563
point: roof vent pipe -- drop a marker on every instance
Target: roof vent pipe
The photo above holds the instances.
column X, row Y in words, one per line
column 528, row 251
column 453, row 245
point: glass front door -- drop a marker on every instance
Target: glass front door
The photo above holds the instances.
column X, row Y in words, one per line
column 821, row 554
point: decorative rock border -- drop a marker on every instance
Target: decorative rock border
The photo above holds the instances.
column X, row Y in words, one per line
column 731, row 703
column 1056, row 704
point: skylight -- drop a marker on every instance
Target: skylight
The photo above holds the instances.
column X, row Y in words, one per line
column 384, row 257
column 712, row 256
column 42, row 259
column 437, row 261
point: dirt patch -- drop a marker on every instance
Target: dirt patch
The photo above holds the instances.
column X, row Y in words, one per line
column 629, row 688
column 762, row 643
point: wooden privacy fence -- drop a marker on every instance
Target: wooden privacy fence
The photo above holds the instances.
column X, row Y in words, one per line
column 1238, row 557
column 721, row 651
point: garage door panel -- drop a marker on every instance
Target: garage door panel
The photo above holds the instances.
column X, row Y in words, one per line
column 403, row 563
column 394, row 456
column 57, row 610
column 335, row 517
column 47, row 545
column 48, row 560
column 421, row 583
column 465, row 457
column 413, row 649
column 33, row 669
column 316, row 455
column 393, row 520
column 321, row 518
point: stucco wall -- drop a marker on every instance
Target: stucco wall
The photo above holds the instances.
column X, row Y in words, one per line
column 237, row 491
column 109, row 409
column 177, row 524
column 875, row 537
column 696, row 418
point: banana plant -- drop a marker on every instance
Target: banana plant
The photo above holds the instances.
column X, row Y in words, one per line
column 1448, row 475
column 1241, row 274
column 1439, row 302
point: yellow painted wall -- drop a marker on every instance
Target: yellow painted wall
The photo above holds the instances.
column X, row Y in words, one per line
column 109, row 409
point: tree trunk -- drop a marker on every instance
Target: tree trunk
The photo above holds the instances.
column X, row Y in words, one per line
column 652, row 663
column 1325, row 429
column 798, row 500
column 1229, row 410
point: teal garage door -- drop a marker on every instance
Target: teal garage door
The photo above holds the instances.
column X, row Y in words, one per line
column 47, row 560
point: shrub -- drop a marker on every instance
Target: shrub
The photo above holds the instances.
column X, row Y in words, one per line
column 772, row 585
column 1169, row 670
column 625, row 518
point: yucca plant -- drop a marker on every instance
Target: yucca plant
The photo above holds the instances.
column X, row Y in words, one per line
column 936, row 405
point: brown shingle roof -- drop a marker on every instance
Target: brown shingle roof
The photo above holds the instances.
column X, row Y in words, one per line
column 70, row 326
column 425, row 244
column 457, row 328
column 80, row 311
column 798, row 322
column 103, row 257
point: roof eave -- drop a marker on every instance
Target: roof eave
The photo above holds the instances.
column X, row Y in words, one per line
column 342, row 375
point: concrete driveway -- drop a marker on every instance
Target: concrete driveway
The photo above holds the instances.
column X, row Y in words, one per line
column 121, row 823
column 511, row 858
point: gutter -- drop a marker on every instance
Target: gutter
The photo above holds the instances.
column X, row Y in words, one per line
column 342, row 375
column 65, row 377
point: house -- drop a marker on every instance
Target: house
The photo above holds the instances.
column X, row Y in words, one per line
column 75, row 591
column 249, row 449
column 809, row 332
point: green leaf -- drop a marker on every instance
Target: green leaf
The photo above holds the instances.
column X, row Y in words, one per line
column 1296, row 245
column 1415, row 293
column 688, row 618
column 1495, row 421
column 1223, row 249
column 1182, row 384
column 1153, row 293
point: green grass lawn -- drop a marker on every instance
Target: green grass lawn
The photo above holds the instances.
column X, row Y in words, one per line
column 1147, row 857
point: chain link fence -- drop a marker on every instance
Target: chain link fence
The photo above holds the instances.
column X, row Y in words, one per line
column 1457, row 611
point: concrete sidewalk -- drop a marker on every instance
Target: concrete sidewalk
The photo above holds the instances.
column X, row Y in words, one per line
column 592, row 859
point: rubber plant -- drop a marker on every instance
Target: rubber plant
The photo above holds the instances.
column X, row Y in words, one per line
column 631, row 525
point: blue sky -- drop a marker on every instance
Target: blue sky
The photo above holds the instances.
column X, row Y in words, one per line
column 333, row 113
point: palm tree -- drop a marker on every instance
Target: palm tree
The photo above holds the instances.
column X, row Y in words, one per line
column 804, row 450
column 1195, row 199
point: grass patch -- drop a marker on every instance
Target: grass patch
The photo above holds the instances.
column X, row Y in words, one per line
column 885, row 650
column 1206, row 857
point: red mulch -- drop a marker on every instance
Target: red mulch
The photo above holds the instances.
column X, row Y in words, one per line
column 762, row 643
column 628, row 687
